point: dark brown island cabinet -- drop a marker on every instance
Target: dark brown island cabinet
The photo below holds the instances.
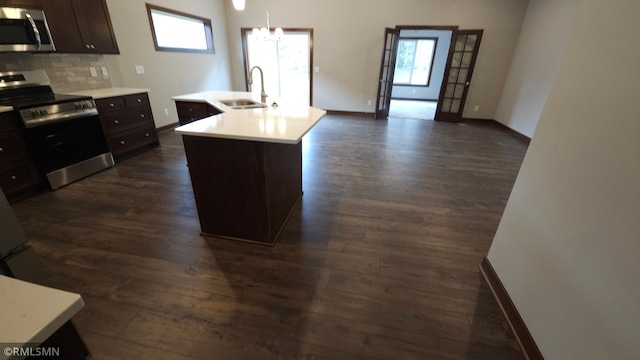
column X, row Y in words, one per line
column 128, row 124
column 18, row 174
column 189, row 111
column 77, row 26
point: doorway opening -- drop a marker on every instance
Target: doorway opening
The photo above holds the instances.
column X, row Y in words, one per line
column 286, row 63
column 425, row 72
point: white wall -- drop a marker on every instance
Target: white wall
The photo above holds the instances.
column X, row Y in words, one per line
column 537, row 57
column 166, row 73
column 348, row 40
column 567, row 246
column 431, row 92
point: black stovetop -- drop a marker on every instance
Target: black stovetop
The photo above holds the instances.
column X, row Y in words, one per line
column 25, row 98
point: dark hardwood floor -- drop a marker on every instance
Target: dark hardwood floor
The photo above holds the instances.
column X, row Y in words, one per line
column 378, row 261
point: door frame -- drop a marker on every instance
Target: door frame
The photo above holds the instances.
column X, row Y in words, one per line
column 385, row 79
column 458, row 117
column 245, row 55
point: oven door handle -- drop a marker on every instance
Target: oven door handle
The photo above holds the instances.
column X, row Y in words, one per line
column 36, row 32
column 56, row 118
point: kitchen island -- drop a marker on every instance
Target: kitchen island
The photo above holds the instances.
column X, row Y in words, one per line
column 245, row 164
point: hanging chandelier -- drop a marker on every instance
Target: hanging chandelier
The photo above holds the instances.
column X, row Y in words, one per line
column 263, row 33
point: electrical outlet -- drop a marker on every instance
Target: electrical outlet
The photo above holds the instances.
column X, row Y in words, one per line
column 476, row 108
column 166, row 112
column 105, row 72
column 316, row 69
column 93, row 71
column 139, row 69
column 369, row 102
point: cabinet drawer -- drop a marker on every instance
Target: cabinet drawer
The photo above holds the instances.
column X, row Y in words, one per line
column 7, row 121
column 192, row 109
column 136, row 100
column 12, row 146
column 116, row 122
column 110, row 104
column 132, row 140
column 17, row 176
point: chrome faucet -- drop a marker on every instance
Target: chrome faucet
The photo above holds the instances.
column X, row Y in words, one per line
column 263, row 95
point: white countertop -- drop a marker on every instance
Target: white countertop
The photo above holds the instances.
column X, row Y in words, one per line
column 5, row 108
column 30, row 313
column 108, row 92
column 286, row 123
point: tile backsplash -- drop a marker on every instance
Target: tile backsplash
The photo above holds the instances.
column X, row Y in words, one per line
column 67, row 72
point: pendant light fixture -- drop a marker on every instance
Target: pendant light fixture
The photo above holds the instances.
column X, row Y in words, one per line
column 265, row 32
column 238, row 4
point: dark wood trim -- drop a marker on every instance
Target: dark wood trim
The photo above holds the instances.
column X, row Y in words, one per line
column 168, row 127
column 510, row 312
column 208, row 28
column 524, row 138
column 245, row 51
column 413, row 99
column 351, row 113
column 425, row 27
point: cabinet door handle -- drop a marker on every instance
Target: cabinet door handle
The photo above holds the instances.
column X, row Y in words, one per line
column 142, row 115
column 1, row 150
column 122, row 142
column 116, row 122
column 139, row 100
column 112, row 105
column 147, row 134
column 14, row 178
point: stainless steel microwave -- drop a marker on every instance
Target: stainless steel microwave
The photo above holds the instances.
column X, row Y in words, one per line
column 24, row 30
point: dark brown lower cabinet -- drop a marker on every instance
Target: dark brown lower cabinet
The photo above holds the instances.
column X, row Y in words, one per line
column 18, row 174
column 192, row 111
column 244, row 190
column 128, row 124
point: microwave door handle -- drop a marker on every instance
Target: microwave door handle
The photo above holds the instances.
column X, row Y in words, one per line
column 36, row 32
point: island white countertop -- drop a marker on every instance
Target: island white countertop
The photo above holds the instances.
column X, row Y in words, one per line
column 286, row 123
column 30, row 313
column 108, row 92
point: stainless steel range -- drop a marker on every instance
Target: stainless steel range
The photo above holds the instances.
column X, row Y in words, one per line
column 63, row 132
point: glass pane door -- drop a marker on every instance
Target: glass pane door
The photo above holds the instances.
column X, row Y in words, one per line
column 286, row 65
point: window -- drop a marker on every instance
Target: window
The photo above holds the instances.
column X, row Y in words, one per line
column 414, row 61
column 176, row 31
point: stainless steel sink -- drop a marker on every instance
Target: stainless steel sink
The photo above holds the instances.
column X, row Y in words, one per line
column 243, row 104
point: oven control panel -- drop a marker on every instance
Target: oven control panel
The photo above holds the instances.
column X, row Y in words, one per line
column 43, row 115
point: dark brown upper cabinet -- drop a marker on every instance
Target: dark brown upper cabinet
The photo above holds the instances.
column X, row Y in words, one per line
column 80, row 26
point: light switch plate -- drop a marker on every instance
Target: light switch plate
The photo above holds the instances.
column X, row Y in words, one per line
column 139, row 69
column 105, row 72
column 93, row 71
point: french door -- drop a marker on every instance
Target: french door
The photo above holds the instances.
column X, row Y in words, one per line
column 457, row 77
column 387, row 69
column 286, row 63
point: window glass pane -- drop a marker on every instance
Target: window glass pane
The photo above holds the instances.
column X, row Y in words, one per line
column 453, row 75
column 471, row 42
column 175, row 31
column 413, row 61
column 457, row 58
column 466, row 60
column 404, row 61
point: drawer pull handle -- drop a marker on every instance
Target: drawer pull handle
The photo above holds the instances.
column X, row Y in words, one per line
column 142, row 115
column 147, row 134
column 1, row 150
column 122, row 142
column 14, row 178
column 112, row 105
column 139, row 100
column 190, row 110
column 116, row 122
